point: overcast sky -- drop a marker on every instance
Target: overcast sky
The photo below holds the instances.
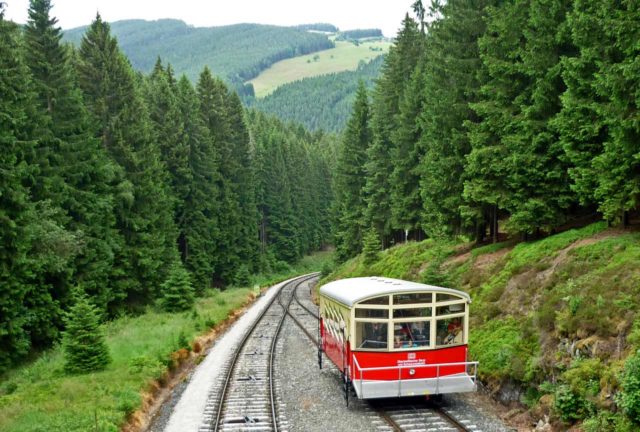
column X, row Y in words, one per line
column 346, row 14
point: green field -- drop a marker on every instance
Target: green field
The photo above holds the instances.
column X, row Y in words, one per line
column 345, row 56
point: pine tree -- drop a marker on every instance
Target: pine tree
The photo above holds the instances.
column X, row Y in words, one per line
column 17, row 212
column 452, row 82
column 177, row 291
column 406, row 206
column 84, row 342
column 76, row 174
column 144, row 202
column 598, row 121
column 372, row 246
column 198, row 226
column 350, row 179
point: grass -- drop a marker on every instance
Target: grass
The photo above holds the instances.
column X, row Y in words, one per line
column 40, row 397
column 345, row 56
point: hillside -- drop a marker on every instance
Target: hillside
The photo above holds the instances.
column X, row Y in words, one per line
column 344, row 56
column 537, row 322
column 332, row 97
column 236, row 52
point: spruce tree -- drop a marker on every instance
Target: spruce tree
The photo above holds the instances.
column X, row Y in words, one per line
column 372, row 246
column 452, row 82
column 17, row 212
column 144, row 201
column 198, row 225
column 84, row 342
column 177, row 291
column 351, row 179
column 75, row 173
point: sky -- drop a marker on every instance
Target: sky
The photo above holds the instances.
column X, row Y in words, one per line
column 346, row 14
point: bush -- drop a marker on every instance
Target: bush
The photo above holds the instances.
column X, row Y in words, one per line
column 177, row 291
column 629, row 398
column 84, row 343
column 568, row 405
column 242, row 278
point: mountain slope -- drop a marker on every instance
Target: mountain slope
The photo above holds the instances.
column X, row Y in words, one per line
column 236, row 52
column 322, row 102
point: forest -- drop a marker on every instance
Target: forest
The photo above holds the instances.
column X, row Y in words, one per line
column 236, row 53
column 332, row 95
column 495, row 118
column 115, row 183
column 359, row 34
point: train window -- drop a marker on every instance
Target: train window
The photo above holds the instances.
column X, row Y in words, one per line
column 450, row 331
column 372, row 313
column 384, row 300
column 412, row 298
column 411, row 334
column 412, row 312
column 371, row 335
column 446, row 297
column 450, row 309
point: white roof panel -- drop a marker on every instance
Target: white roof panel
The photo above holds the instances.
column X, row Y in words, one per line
column 353, row 290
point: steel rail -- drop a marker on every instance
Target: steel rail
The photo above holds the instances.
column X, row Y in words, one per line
column 243, row 342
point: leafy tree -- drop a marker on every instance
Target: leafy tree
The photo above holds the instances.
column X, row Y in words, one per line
column 84, row 343
column 629, row 397
column 177, row 291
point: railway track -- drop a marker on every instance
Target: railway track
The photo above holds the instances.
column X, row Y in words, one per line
column 247, row 398
column 397, row 417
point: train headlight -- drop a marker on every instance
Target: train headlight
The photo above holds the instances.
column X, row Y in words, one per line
column 412, row 372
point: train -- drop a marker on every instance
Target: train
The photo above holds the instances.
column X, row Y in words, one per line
column 394, row 338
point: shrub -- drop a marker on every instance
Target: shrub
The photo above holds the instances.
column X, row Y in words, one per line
column 242, row 278
column 84, row 343
column 629, row 398
column 568, row 405
column 177, row 291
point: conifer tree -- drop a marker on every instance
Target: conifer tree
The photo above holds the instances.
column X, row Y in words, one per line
column 17, row 212
column 144, row 203
column 198, row 226
column 406, row 209
column 75, row 173
column 177, row 291
column 372, row 246
column 397, row 70
column 84, row 342
column 350, row 179
column 452, row 82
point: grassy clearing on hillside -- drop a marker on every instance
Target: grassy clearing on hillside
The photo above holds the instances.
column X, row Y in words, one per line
column 345, row 56
column 40, row 397
column 556, row 317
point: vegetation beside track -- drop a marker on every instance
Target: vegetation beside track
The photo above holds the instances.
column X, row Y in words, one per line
column 555, row 319
column 41, row 397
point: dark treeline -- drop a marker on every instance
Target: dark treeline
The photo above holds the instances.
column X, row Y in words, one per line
column 323, row 27
column 519, row 114
column 109, row 178
column 322, row 102
column 359, row 34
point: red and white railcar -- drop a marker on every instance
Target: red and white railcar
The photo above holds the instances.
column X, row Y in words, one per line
column 393, row 338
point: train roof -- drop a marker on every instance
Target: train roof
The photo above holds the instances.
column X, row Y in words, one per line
column 353, row 290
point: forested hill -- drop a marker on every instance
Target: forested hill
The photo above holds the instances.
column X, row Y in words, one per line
column 322, row 102
column 127, row 191
column 236, row 53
